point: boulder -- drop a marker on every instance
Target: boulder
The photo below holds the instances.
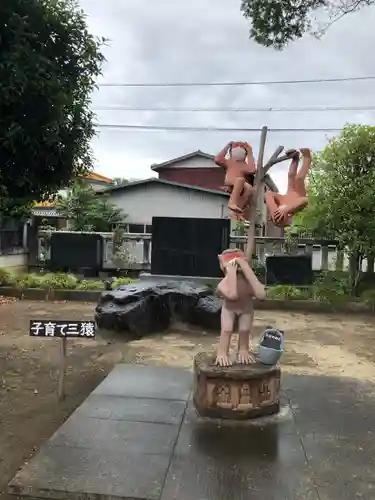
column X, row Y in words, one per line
column 207, row 312
column 143, row 308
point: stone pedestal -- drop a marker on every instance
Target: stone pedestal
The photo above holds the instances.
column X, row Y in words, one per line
column 238, row 392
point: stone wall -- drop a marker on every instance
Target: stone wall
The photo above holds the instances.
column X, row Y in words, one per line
column 14, row 262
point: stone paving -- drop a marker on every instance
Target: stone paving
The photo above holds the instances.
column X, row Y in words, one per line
column 137, row 437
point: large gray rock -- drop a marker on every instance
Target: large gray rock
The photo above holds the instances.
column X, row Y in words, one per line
column 143, row 308
column 206, row 313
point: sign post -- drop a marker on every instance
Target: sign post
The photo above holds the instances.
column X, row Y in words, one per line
column 63, row 330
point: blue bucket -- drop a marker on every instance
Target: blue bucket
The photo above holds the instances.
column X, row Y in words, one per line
column 271, row 346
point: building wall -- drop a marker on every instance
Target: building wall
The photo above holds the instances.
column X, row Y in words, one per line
column 14, row 262
column 196, row 171
column 143, row 202
column 209, row 178
column 212, row 178
column 203, row 172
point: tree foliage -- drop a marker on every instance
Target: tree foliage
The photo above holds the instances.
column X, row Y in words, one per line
column 275, row 23
column 342, row 192
column 88, row 210
column 48, row 66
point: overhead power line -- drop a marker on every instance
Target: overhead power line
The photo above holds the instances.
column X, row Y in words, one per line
column 232, row 84
column 212, row 129
column 236, row 110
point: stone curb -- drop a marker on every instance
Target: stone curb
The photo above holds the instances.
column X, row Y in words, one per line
column 311, row 306
column 307, row 306
column 50, row 295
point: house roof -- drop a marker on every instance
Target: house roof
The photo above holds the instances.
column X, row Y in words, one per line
column 156, row 167
column 93, row 176
column 155, row 180
column 199, row 153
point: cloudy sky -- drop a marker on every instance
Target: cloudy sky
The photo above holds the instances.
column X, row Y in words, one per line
column 207, row 41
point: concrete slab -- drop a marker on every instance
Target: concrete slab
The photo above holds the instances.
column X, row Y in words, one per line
column 138, row 381
column 138, row 437
column 217, row 479
column 116, row 435
column 62, row 472
column 221, row 460
column 333, row 417
column 136, row 410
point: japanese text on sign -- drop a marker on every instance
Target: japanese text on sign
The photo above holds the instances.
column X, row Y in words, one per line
column 85, row 329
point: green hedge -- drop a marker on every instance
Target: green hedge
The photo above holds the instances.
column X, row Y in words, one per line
column 54, row 281
column 333, row 291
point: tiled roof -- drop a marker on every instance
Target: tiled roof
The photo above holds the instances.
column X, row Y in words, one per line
column 98, row 177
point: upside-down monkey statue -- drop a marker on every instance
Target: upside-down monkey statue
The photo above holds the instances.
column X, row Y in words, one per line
column 282, row 207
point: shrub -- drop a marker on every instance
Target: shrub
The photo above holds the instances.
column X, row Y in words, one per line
column 287, row 292
column 333, row 281
column 90, row 285
column 58, row 281
column 330, row 294
column 259, row 270
column 121, row 281
column 29, row 281
column 49, row 281
column 7, row 278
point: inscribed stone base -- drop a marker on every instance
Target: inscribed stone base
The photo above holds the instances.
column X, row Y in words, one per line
column 237, row 392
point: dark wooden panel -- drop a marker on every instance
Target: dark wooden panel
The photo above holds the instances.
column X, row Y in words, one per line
column 187, row 246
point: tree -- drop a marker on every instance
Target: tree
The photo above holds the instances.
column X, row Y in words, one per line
column 342, row 195
column 48, row 66
column 87, row 210
column 275, row 23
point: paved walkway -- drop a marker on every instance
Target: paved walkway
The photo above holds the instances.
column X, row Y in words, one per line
column 137, row 436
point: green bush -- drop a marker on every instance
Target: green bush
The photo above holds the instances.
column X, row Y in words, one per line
column 49, row 281
column 121, row 281
column 7, row 278
column 90, row 285
column 29, row 281
column 332, row 287
column 331, row 295
column 58, row 281
column 288, row 292
column 333, row 282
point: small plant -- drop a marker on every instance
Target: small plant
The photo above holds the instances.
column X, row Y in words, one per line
column 49, row 281
column 331, row 287
column 260, row 270
column 7, row 278
column 240, row 228
column 90, row 285
column 58, row 281
column 121, row 281
column 330, row 294
column 287, row 292
column 29, row 281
